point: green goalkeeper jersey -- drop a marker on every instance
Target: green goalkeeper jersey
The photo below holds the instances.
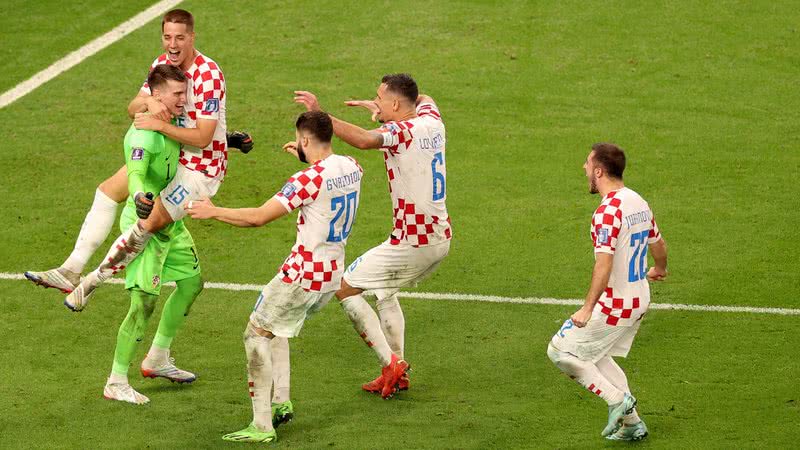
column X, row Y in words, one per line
column 151, row 159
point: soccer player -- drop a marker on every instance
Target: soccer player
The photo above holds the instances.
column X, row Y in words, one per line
column 327, row 194
column 623, row 230
column 151, row 161
column 201, row 130
column 203, row 159
column 412, row 140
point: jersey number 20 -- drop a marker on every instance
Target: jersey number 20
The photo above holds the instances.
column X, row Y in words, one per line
column 344, row 205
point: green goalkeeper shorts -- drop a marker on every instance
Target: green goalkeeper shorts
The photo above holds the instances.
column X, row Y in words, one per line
column 170, row 255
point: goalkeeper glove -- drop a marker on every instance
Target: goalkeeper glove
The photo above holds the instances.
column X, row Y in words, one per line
column 240, row 140
column 144, row 204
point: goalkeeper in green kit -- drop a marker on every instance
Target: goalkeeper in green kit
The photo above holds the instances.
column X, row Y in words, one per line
column 152, row 161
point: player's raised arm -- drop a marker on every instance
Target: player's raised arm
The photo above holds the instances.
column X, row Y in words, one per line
column 144, row 102
column 199, row 137
column 352, row 134
column 241, row 217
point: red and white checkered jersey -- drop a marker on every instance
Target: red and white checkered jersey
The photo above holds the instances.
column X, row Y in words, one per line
column 623, row 225
column 414, row 156
column 327, row 194
column 205, row 99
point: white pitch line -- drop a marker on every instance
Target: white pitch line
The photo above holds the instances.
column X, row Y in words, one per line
column 495, row 298
column 86, row 51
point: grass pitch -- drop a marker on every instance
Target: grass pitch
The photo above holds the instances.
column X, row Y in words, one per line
column 701, row 96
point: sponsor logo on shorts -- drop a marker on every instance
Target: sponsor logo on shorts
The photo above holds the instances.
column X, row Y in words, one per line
column 156, row 280
column 137, row 153
column 288, row 190
column 211, row 105
column 602, row 236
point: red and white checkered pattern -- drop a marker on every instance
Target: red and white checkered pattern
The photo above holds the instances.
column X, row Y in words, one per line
column 205, row 99
column 397, row 136
column 608, row 218
column 415, row 228
column 623, row 214
column 315, row 263
column 615, row 309
column 408, row 146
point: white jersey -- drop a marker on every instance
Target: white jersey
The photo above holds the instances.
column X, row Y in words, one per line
column 205, row 99
column 623, row 225
column 415, row 164
column 327, row 194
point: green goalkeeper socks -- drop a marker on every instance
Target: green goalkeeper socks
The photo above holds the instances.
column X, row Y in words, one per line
column 176, row 309
column 132, row 329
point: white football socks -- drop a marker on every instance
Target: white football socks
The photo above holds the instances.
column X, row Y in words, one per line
column 613, row 373
column 280, row 369
column 368, row 326
column 393, row 323
column 586, row 374
column 156, row 356
column 94, row 231
column 127, row 246
column 259, row 377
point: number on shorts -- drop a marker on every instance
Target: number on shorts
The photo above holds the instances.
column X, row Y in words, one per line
column 178, row 195
column 345, row 206
column 567, row 326
column 637, row 267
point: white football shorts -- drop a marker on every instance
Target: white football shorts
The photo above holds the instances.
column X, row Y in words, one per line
column 384, row 269
column 188, row 185
column 596, row 340
column 282, row 308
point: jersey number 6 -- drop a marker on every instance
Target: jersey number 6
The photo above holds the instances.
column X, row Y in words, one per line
column 438, row 177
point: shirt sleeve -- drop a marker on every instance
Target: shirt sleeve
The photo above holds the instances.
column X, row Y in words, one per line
column 396, row 136
column 606, row 225
column 300, row 189
column 654, row 235
column 429, row 109
column 141, row 149
column 209, row 90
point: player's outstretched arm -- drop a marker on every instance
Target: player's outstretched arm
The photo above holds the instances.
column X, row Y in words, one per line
column 603, row 264
column 352, row 134
column 144, row 102
column 659, row 251
column 240, row 217
column 198, row 137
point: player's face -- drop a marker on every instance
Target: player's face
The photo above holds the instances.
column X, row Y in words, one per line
column 178, row 43
column 385, row 101
column 591, row 176
column 173, row 95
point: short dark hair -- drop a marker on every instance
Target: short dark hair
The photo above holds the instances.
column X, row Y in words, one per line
column 402, row 84
column 179, row 16
column 317, row 123
column 163, row 72
column 610, row 157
